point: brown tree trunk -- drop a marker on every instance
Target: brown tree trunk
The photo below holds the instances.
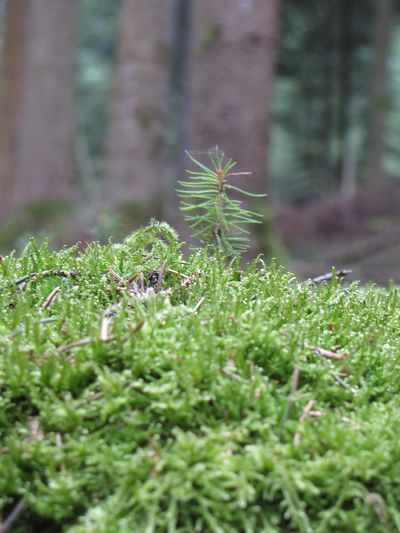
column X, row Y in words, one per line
column 139, row 108
column 44, row 158
column 233, row 52
column 380, row 102
column 13, row 55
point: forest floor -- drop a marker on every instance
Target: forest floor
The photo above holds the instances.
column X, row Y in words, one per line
column 361, row 232
column 144, row 390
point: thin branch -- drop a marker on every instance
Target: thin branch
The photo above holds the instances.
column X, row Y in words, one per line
column 50, row 298
column 290, row 398
column 161, row 275
column 177, row 273
column 137, row 327
column 13, row 516
column 329, row 276
column 328, row 354
column 147, row 258
column 340, row 274
column 306, row 412
column 199, row 304
column 20, row 328
column 340, row 381
column 116, row 277
column 105, row 323
column 74, row 344
column 233, row 375
column 35, row 275
column 189, row 279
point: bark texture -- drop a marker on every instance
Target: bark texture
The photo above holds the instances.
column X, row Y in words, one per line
column 13, row 57
column 44, row 152
column 139, row 108
column 233, row 52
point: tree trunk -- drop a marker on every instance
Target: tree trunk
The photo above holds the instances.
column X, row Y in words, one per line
column 13, row 54
column 345, row 89
column 43, row 152
column 178, row 113
column 233, row 51
column 379, row 92
column 136, row 141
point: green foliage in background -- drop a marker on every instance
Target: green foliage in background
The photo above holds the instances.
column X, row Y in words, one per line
column 178, row 408
column 98, row 35
column 214, row 216
column 322, row 100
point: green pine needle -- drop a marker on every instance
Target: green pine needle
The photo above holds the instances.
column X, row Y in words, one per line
column 218, row 219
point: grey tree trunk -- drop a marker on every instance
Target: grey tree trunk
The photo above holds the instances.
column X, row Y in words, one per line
column 233, row 52
column 380, row 101
column 13, row 56
column 44, row 161
column 136, row 141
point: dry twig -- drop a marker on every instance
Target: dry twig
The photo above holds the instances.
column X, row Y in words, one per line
column 199, row 304
column 46, row 304
column 117, row 277
column 189, row 279
column 161, row 276
column 233, row 375
column 340, row 381
column 74, row 344
column 290, row 398
column 172, row 271
column 13, row 516
column 307, row 412
column 21, row 327
column 105, row 322
column 328, row 354
column 35, row 275
column 137, row 327
column 340, row 274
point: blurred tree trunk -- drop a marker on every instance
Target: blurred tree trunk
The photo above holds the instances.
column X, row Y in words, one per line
column 233, row 52
column 384, row 9
column 136, row 141
column 345, row 87
column 41, row 117
column 13, row 56
column 178, row 111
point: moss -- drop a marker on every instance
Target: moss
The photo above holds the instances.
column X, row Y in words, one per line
column 132, row 405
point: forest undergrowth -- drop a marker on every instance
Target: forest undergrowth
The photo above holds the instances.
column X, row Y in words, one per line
column 142, row 390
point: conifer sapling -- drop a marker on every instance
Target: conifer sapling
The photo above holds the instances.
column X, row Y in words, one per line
column 215, row 217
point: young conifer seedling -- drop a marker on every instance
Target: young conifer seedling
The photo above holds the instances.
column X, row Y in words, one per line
column 215, row 217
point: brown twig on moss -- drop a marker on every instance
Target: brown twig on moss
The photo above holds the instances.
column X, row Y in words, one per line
column 46, row 304
column 290, row 398
column 306, row 412
column 13, row 516
column 23, row 280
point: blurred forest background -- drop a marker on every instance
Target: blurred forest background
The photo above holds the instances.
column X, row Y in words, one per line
column 100, row 98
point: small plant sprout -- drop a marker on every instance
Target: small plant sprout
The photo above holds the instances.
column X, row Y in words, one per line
column 215, row 217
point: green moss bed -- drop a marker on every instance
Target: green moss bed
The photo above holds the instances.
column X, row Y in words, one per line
column 143, row 390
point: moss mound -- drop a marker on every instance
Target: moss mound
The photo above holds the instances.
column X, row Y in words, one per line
column 141, row 391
